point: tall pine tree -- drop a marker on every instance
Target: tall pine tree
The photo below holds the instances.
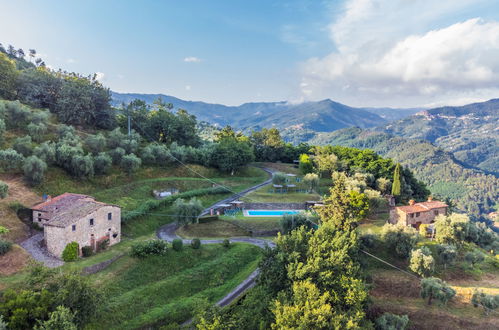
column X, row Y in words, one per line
column 397, row 184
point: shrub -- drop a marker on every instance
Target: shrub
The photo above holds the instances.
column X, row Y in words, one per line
column 70, row 252
column 4, row 189
column 103, row 245
column 422, row 262
column 451, row 229
column 196, row 243
column 130, row 163
column 64, row 154
column 226, row 243
column 487, row 301
column 151, row 247
column 5, row 246
column 399, row 238
column 474, row 257
column 279, row 178
column 306, row 166
column 389, row 321
column 34, row 170
column 435, row 288
column 177, row 244
column 368, row 241
column 87, row 251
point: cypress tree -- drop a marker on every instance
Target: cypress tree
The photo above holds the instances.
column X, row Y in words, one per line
column 396, row 186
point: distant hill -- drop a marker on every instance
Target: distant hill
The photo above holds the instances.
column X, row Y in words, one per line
column 473, row 190
column 321, row 116
column 470, row 132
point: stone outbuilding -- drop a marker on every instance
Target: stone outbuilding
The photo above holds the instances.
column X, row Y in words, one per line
column 416, row 214
column 77, row 218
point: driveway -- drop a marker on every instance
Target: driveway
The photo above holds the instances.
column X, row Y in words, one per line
column 39, row 253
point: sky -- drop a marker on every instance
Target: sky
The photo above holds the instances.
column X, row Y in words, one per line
column 383, row 53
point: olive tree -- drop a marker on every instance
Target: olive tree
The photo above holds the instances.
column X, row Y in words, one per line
column 488, row 302
column 312, row 181
column 46, row 152
column 116, row 155
column 435, row 288
column 451, row 229
column 187, row 212
column 130, row 163
column 422, row 262
column 37, row 131
column 279, row 178
column 10, row 159
column 34, row 170
column 23, row 145
column 389, row 321
column 400, row 239
column 95, row 143
column 82, row 166
column 474, row 257
column 447, row 254
column 102, row 163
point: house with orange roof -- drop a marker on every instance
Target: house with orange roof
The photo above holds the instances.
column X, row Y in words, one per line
column 77, row 218
column 416, row 214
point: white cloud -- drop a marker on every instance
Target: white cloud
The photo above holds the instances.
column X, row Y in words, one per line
column 192, row 59
column 99, row 76
column 383, row 56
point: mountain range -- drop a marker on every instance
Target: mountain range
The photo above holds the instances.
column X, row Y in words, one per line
column 321, row 116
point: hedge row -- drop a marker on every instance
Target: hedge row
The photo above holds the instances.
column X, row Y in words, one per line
column 153, row 204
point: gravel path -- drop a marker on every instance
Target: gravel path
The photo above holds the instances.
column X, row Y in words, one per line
column 39, row 253
column 168, row 233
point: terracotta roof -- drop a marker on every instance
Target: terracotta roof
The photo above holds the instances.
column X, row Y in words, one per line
column 58, row 202
column 68, row 208
column 79, row 209
column 422, row 207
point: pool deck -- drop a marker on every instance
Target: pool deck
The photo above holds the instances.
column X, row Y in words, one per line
column 270, row 213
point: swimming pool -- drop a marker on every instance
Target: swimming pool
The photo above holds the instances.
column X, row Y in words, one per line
column 269, row 213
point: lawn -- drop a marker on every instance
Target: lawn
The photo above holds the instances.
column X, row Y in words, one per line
column 160, row 290
column 254, row 224
column 262, row 195
column 212, row 229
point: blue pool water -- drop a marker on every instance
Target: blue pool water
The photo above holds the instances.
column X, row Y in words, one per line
column 270, row 213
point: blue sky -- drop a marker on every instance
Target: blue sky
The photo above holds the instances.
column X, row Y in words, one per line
column 360, row 52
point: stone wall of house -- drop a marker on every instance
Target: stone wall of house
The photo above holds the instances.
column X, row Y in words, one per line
column 425, row 217
column 56, row 238
column 397, row 216
column 274, row 206
column 39, row 217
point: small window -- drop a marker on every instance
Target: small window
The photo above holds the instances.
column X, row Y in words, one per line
column 39, row 214
column 435, row 212
column 109, row 216
column 412, row 215
column 73, row 227
column 39, row 220
column 418, row 214
column 91, row 222
column 109, row 229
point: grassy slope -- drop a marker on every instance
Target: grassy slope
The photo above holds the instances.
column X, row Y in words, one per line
column 167, row 289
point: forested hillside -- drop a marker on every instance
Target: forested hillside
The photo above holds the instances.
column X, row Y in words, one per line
column 322, row 116
column 470, row 132
column 472, row 190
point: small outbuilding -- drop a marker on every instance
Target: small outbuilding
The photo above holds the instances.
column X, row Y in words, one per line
column 77, row 218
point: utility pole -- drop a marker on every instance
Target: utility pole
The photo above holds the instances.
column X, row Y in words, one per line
column 129, row 128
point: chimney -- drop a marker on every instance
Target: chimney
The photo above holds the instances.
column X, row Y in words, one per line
column 49, row 198
column 411, row 202
column 430, row 198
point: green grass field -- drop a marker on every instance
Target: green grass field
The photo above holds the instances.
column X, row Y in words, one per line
column 169, row 289
column 212, row 229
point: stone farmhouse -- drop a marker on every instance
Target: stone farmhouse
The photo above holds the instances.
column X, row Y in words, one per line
column 416, row 214
column 77, row 218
